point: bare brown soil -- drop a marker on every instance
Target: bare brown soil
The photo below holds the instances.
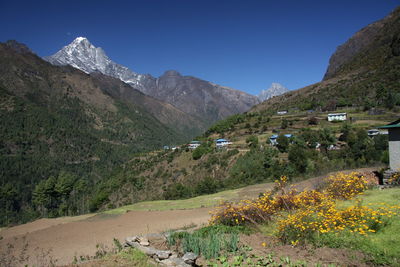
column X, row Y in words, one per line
column 60, row 241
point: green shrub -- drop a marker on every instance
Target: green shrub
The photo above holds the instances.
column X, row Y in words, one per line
column 210, row 241
column 178, row 191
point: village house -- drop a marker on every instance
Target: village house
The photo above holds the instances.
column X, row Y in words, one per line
column 194, row 144
column 375, row 132
column 282, row 112
column 337, row 116
column 394, row 144
column 219, row 143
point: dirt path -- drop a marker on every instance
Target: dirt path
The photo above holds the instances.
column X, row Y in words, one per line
column 63, row 238
column 56, row 239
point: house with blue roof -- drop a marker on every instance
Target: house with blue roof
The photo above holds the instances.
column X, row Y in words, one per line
column 273, row 138
column 219, row 143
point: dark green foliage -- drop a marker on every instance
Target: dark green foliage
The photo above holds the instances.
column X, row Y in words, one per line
column 298, row 157
column 207, row 186
column 326, row 138
column 254, row 166
column 283, row 143
column 226, row 124
column 310, row 137
column 178, row 191
column 252, row 141
column 97, row 200
column 203, row 149
column 284, row 124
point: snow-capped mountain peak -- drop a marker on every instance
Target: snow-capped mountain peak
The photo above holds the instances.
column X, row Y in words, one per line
column 83, row 55
column 274, row 90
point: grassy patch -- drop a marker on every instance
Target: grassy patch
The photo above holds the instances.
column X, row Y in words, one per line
column 192, row 203
column 135, row 257
column 126, row 257
column 383, row 246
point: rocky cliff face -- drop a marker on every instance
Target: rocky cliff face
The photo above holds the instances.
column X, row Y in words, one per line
column 200, row 98
column 274, row 90
column 360, row 41
column 207, row 101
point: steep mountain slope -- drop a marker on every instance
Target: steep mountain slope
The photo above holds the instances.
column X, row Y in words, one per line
column 360, row 41
column 363, row 75
column 203, row 100
column 60, row 121
column 274, row 90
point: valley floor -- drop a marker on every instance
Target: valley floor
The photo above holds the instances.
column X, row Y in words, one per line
column 62, row 239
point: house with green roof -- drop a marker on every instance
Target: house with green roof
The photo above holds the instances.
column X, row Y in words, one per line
column 394, row 144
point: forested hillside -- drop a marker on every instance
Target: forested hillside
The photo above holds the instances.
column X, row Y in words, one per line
column 62, row 131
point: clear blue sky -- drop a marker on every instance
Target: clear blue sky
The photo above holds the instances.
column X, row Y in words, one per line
column 243, row 44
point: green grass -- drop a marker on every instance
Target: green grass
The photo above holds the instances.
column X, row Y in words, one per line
column 135, row 257
column 191, row 203
column 382, row 247
column 390, row 196
column 126, row 257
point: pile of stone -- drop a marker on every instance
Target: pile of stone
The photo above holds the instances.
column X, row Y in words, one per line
column 163, row 257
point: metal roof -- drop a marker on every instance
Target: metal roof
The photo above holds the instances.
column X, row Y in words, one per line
column 395, row 124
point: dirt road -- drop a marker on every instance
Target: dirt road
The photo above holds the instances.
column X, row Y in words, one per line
column 61, row 239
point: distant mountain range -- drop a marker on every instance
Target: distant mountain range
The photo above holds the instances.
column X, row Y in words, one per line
column 205, row 101
column 274, row 90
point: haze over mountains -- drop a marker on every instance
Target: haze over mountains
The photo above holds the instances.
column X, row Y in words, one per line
column 205, row 101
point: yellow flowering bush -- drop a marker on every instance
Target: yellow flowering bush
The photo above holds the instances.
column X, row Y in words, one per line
column 395, row 179
column 253, row 211
column 345, row 186
column 305, row 215
column 306, row 223
column 262, row 209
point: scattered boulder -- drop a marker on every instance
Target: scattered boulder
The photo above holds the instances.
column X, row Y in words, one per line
column 190, row 257
column 163, row 254
column 144, row 241
column 178, row 262
column 164, row 257
column 130, row 240
column 200, row 261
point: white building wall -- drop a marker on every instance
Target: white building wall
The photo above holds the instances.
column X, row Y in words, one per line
column 394, row 148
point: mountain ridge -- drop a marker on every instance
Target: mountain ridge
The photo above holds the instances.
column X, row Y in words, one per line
column 199, row 98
